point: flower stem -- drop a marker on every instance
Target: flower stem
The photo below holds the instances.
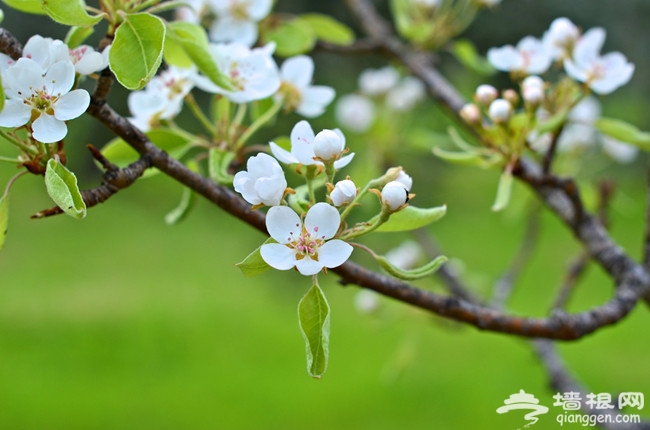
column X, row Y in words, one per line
column 199, row 114
column 17, row 142
column 10, row 160
column 234, row 126
column 263, row 119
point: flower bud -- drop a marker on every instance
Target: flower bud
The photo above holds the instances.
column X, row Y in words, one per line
column 394, row 195
column 485, row 94
column 532, row 90
column 500, row 111
column 405, row 180
column 343, row 193
column 328, row 145
column 511, row 96
column 470, row 113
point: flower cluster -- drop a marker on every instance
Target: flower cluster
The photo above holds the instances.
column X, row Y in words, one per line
column 378, row 88
column 39, row 86
column 253, row 75
column 231, row 20
column 578, row 52
column 314, row 240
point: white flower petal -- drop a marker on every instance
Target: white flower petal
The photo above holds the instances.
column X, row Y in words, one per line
column 322, row 221
column 228, row 29
column 59, row 77
column 302, row 143
column 278, row 256
column 22, row 77
column 244, row 184
column 48, row 129
column 282, row 154
column 283, row 224
column 307, row 266
column 271, row 189
column 343, row 161
column 298, row 70
column 588, row 47
column 506, row 58
column 314, row 100
column 334, row 253
column 71, row 105
column 574, row 71
column 15, row 113
column 259, row 9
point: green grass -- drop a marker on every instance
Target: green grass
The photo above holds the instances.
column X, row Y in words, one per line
column 121, row 322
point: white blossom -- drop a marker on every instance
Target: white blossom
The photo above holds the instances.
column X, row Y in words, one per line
column 394, row 195
column 305, row 246
column 375, row 82
column 529, row 56
column 162, row 98
column 560, row 38
column 355, row 112
column 344, row 193
column 252, row 72
column 263, row 182
column 46, row 51
column 236, row 20
column 308, row 100
column 366, row 301
column 406, row 94
column 42, row 97
column 302, row 147
column 405, row 256
column 603, row 74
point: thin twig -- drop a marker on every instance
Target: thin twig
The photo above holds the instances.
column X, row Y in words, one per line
column 504, row 285
column 113, row 180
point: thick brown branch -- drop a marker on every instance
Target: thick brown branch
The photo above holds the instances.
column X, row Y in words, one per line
column 10, row 45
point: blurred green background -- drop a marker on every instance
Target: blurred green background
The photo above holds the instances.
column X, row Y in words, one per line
column 122, row 322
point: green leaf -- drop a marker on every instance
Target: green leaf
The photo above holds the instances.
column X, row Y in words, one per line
column 70, row 12
column 137, row 49
column 4, row 216
column 466, row 53
column 623, row 131
column 29, row 6
column 503, row 191
column 314, row 320
column 62, row 187
column 254, row 264
column 329, row 29
column 218, row 163
column 462, row 158
column 412, row 274
column 78, row 35
column 411, row 218
column 292, row 37
column 189, row 45
column 2, row 16
column 188, row 198
column 175, row 143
